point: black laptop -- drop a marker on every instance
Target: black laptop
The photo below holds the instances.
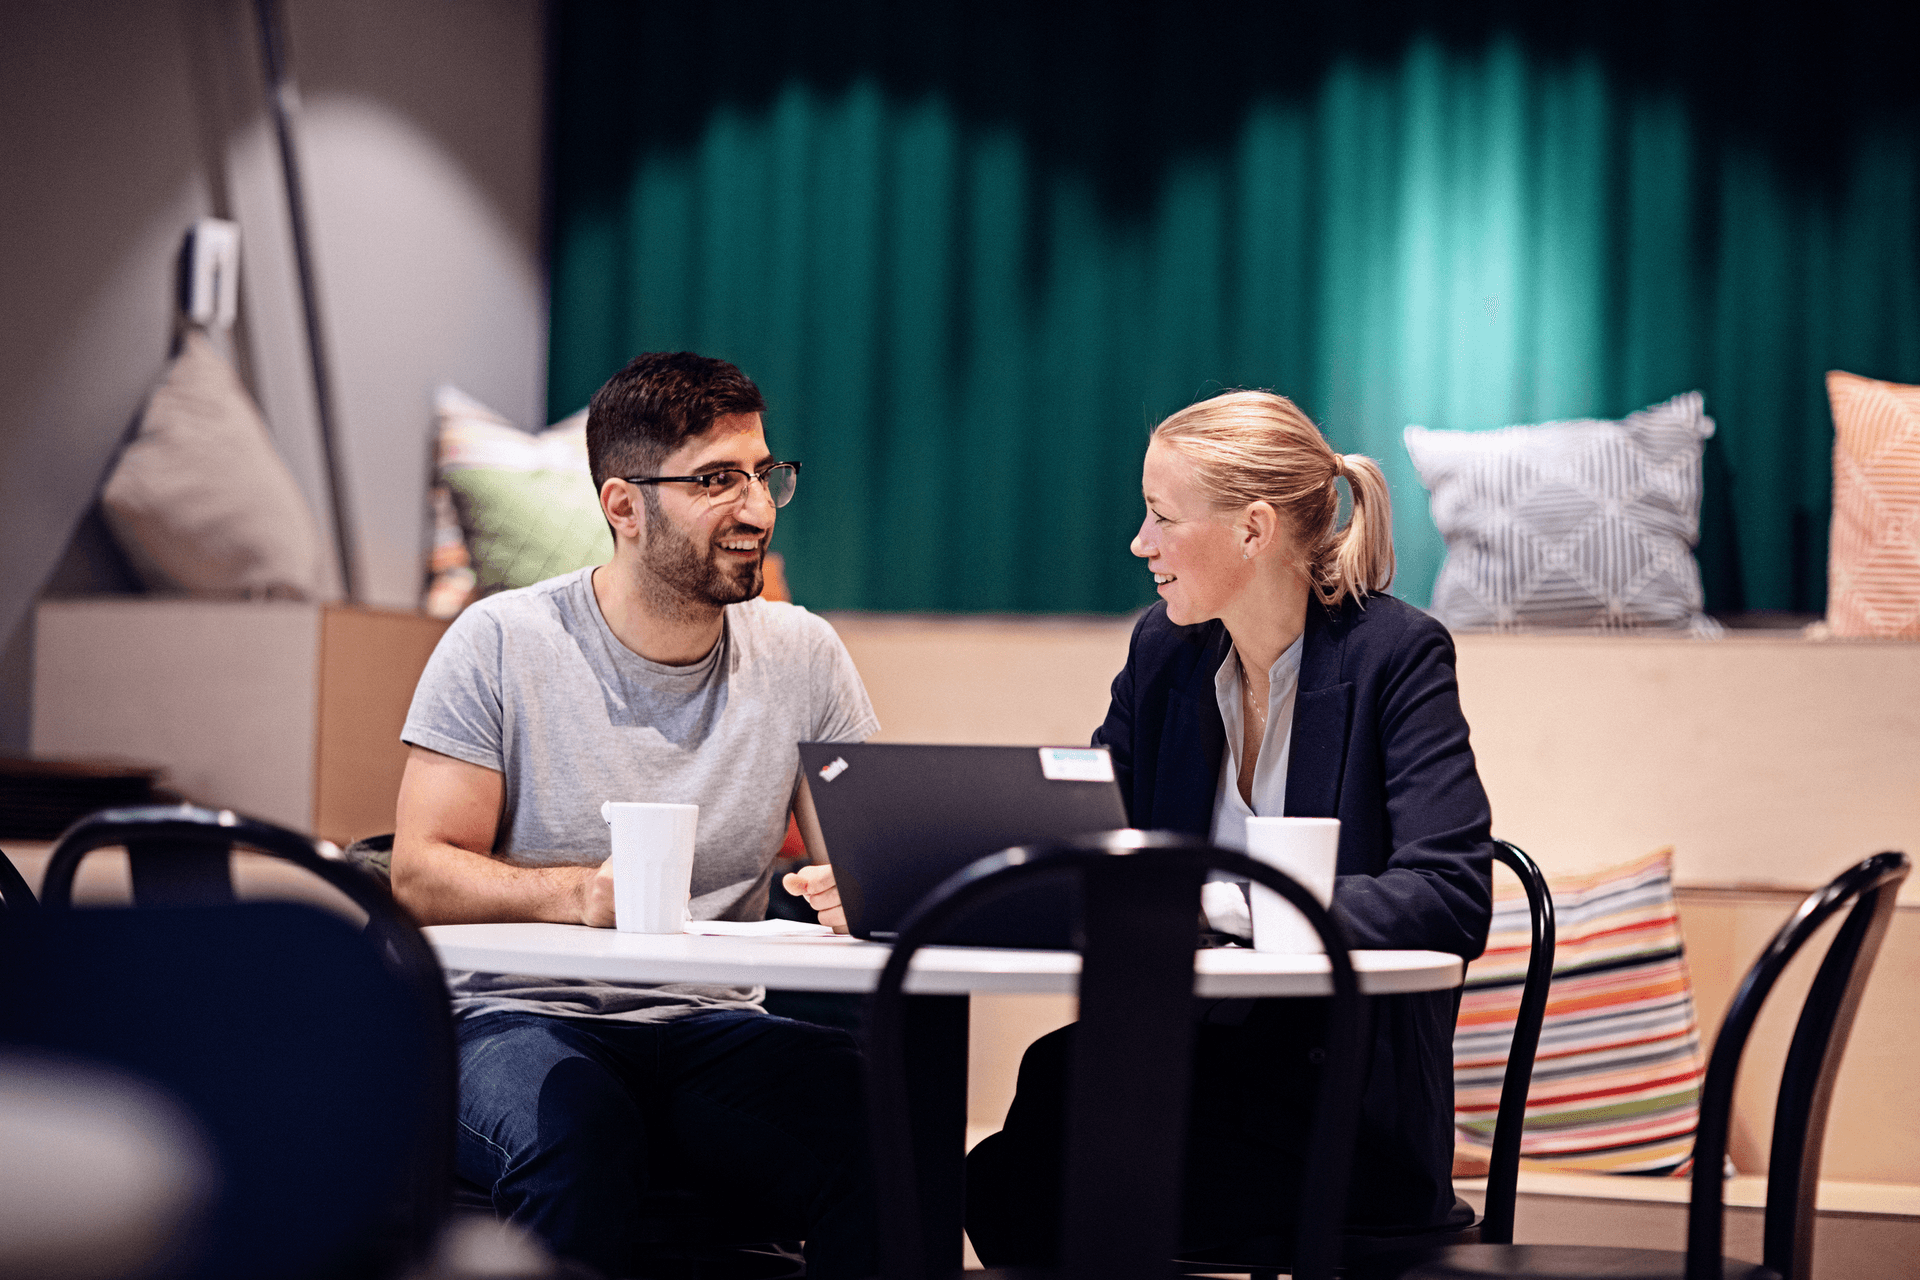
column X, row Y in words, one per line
column 899, row 819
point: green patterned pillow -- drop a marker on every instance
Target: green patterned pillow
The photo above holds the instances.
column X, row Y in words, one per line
column 525, row 503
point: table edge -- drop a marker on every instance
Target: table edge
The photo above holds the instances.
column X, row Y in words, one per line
column 926, row 978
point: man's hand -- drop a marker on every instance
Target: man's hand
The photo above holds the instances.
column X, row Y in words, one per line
column 596, row 897
column 815, row 884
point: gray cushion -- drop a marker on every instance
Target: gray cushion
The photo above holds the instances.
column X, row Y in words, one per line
column 1586, row 524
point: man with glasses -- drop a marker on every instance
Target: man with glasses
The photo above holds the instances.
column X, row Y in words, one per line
column 657, row 676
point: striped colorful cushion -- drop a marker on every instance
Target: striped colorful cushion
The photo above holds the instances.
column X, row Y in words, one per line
column 1616, row 1083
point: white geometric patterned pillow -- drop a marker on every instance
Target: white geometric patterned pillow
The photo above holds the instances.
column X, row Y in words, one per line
column 1587, row 524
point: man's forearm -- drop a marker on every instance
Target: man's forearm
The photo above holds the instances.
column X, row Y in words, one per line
column 444, row 884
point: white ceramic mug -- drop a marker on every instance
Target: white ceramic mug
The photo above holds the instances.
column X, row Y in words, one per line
column 1306, row 849
column 652, row 864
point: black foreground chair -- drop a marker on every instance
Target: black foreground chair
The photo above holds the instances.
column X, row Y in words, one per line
column 1800, row 1114
column 1264, row 1258
column 1132, row 1057
column 15, row 893
column 242, row 975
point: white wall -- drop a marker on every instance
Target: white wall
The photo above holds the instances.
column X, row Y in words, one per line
column 421, row 138
column 103, row 172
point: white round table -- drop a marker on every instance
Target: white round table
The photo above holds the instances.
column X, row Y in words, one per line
column 847, row 964
column 941, row 979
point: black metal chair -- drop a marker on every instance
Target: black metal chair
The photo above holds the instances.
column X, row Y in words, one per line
column 1800, row 1113
column 1264, row 1258
column 15, row 893
column 1503, row 1166
column 1132, row 1058
column 180, row 858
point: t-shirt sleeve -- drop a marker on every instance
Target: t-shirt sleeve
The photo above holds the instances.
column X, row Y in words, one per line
column 841, row 709
column 457, row 708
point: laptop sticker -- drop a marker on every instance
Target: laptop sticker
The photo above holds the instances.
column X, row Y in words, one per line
column 828, row 772
column 1076, row 764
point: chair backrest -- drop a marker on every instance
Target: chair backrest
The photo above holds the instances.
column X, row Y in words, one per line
column 180, row 857
column 1806, row 1083
column 15, row 894
column 298, row 1053
column 1503, row 1172
column 1132, row 1057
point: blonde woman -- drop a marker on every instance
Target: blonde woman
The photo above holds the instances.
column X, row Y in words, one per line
column 1274, row 677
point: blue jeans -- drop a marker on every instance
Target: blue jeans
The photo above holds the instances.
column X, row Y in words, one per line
column 572, row 1122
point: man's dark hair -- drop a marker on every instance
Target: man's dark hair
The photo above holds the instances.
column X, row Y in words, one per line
column 661, row 400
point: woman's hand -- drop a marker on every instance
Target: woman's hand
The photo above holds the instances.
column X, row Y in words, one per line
column 815, row 884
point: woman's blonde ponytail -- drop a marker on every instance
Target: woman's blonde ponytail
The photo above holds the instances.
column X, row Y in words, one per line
column 1358, row 559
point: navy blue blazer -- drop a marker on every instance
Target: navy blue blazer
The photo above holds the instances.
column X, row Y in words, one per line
column 1379, row 743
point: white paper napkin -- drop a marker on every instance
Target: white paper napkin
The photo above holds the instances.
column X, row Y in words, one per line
column 758, row 928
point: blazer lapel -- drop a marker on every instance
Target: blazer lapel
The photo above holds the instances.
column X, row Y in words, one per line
column 1191, row 745
column 1322, row 710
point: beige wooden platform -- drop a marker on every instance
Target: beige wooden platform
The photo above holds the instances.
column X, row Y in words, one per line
column 289, row 712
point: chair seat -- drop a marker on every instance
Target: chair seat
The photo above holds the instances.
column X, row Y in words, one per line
column 1549, row 1262
column 1269, row 1255
column 684, row 1238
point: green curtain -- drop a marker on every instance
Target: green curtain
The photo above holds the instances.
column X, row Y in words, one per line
column 972, row 253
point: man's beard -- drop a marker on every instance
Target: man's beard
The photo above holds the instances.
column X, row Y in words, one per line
column 693, row 577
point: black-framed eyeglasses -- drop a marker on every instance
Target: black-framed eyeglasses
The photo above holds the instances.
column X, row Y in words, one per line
column 729, row 484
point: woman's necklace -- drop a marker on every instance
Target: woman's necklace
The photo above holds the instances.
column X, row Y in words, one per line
column 1256, row 708
column 1254, row 714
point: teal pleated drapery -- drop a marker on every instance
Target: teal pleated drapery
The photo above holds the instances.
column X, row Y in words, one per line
column 972, row 253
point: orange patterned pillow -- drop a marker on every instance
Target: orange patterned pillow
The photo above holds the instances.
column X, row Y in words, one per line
column 1873, row 566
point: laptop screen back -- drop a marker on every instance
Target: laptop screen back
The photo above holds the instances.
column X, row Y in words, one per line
column 899, row 819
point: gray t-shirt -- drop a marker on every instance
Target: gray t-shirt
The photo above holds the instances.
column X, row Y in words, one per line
column 533, row 683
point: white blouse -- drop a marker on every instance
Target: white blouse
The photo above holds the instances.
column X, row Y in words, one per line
column 1226, row 904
